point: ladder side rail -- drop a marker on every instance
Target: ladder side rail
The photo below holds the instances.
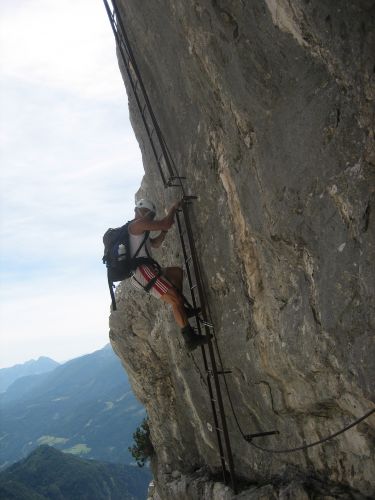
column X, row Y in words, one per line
column 205, row 363
column 146, row 98
column 139, row 105
column 142, row 111
column 186, row 218
column 223, row 416
column 176, row 173
column 188, row 272
column 210, row 347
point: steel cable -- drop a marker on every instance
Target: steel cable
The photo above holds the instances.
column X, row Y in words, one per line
column 315, row 443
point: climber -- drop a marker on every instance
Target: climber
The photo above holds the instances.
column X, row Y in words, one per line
column 162, row 283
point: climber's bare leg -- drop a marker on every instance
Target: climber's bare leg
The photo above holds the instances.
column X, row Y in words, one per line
column 175, row 275
column 175, row 299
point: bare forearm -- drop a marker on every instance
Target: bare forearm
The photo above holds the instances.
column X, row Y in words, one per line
column 141, row 225
column 156, row 242
column 146, row 224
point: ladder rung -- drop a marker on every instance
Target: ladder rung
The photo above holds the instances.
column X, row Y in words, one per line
column 218, row 372
column 205, row 323
column 249, row 437
column 188, row 259
column 194, row 286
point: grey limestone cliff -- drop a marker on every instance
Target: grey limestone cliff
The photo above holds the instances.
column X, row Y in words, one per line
column 268, row 109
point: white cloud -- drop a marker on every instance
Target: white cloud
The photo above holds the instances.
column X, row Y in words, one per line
column 54, row 317
column 70, row 169
column 63, row 44
column 70, row 178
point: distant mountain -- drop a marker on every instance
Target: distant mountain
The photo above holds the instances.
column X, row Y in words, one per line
column 48, row 473
column 85, row 407
column 32, row 367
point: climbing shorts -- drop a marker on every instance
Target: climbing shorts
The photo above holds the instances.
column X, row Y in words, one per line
column 144, row 274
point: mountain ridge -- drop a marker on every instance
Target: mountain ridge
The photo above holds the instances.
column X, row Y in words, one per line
column 37, row 366
column 85, row 405
column 48, row 473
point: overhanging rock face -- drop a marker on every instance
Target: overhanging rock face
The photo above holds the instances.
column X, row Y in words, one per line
column 267, row 108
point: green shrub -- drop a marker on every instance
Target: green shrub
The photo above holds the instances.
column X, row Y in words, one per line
column 142, row 450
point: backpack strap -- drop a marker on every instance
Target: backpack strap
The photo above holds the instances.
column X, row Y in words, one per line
column 111, row 291
column 153, row 280
column 147, row 234
column 147, row 261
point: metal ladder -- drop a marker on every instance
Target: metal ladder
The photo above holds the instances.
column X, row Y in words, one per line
column 171, row 178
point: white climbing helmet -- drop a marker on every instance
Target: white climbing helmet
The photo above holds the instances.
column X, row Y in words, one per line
column 146, row 204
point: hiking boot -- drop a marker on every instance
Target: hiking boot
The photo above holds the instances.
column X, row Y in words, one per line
column 192, row 340
column 192, row 311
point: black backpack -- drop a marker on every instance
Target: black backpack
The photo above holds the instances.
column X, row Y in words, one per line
column 117, row 258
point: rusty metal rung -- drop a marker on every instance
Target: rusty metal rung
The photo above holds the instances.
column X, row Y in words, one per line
column 206, row 323
column 219, row 372
column 249, row 437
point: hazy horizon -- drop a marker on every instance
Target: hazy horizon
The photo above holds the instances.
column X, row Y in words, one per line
column 61, row 362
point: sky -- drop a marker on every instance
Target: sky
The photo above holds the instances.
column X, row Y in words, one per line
column 70, row 166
